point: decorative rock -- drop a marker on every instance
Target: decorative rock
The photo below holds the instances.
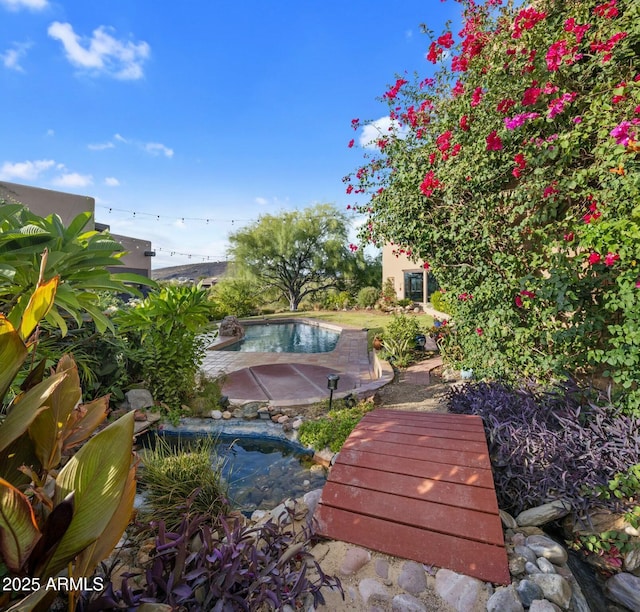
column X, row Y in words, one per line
column 297, row 424
column 226, row 415
column 230, row 326
column 407, row 603
column 138, row 415
column 382, row 568
column 139, row 399
column 461, row 592
column 237, row 413
column 371, row 589
column 505, row 599
column 518, row 539
column 545, row 547
column 517, row 565
column 526, row 552
column 257, row 515
column 542, row 605
column 555, row 588
column 354, row 559
column 546, row 567
column 283, row 419
column 263, row 413
column 287, row 427
column 215, row 414
column 544, row 514
column 412, row 578
column 532, row 568
column 528, row 592
column 632, row 560
column 624, row 589
column 250, row 410
column 507, row 520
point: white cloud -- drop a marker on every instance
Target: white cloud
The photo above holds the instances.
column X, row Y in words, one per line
column 73, row 179
column 262, row 201
column 155, row 148
column 111, row 181
column 32, row 5
column 25, row 171
column 50, row 133
column 102, row 53
column 100, row 146
column 11, row 58
column 385, row 126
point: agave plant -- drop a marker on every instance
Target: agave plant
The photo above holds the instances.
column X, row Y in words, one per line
column 52, row 520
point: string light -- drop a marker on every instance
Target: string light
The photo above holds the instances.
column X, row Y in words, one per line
column 172, row 252
column 137, row 213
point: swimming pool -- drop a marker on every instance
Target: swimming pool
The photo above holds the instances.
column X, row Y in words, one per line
column 286, row 338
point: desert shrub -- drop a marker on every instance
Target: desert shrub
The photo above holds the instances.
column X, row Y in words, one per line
column 337, row 300
column 334, row 429
column 236, row 567
column 367, row 297
column 389, row 297
column 404, row 302
column 183, row 475
column 553, row 444
column 234, row 296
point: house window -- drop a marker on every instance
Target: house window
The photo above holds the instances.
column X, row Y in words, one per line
column 414, row 286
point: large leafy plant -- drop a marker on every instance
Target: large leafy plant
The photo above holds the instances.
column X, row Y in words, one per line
column 55, row 520
column 513, row 171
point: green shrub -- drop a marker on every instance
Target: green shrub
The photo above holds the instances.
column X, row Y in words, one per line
column 367, row 297
column 333, row 430
column 389, row 297
column 234, row 296
column 337, row 300
column 183, row 475
column 439, row 303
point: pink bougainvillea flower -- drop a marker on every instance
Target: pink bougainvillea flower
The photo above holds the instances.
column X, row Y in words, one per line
column 638, row 284
column 435, row 53
column 355, row 123
column 351, row 143
column 511, row 123
column 443, row 142
column 610, row 258
column 608, row 10
column 569, row 237
column 446, row 40
column 570, row 25
column 607, row 46
column 550, row 190
column 531, row 95
column 464, row 123
column 577, row 120
column 530, row 294
column 433, row 157
column 393, row 92
column 550, row 88
column 426, row 265
column 479, row 331
column 458, row 89
column 494, row 142
column 459, row 63
column 505, row 105
column 463, row 297
column 558, row 105
column 349, row 188
column 622, row 134
column 526, row 19
column 594, row 258
column 558, row 51
column 476, row 96
column 521, row 164
column 353, row 247
column 429, row 184
column 518, row 301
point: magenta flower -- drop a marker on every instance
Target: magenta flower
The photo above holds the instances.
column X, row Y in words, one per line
column 429, row 183
column 610, row 258
column 479, row 331
column 518, row 301
column 476, row 96
column 622, row 134
column 494, row 143
column 594, row 258
column 351, row 143
column 519, row 120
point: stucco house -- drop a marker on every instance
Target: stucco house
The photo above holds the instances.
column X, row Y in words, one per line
column 44, row 202
column 410, row 278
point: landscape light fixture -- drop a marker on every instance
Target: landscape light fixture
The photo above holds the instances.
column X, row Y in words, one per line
column 332, row 385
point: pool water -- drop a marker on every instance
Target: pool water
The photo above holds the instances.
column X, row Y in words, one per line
column 286, row 338
column 262, row 473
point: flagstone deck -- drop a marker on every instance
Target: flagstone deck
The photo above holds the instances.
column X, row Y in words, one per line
column 418, row 486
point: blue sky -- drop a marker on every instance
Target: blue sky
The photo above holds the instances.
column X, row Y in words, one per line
column 198, row 109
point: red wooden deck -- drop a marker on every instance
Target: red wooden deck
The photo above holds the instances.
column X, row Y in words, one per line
column 418, row 486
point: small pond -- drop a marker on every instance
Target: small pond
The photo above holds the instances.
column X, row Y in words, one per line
column 260, row 472
column 286, row 338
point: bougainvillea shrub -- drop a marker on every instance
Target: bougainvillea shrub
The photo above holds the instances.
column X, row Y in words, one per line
column 513, row 172
column 554, row 444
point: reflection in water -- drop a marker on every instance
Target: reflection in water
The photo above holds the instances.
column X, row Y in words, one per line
column 286, row 338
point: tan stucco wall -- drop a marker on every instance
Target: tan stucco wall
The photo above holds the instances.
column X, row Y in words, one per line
column 395, row 266
column 45, row 202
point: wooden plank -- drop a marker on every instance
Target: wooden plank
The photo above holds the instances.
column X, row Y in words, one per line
column 464, row 420
column 420, row 468
column 438, row 423
column 437, row 455
column 419, row 440
column 482, row 561
column 415, row 430
column 431, row 516
column 452, row 494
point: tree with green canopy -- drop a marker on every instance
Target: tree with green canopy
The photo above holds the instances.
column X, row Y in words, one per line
column 295, row 253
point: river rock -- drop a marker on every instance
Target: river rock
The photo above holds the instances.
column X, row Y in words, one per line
column 529, row 591
column 507, row 520
column 226, row 415
column 250, row 410
column 526, row 552
column 354, row 559
column 624, row 589
column 407, row 603
column 460, row 591
column 505, row 599
column 215, row 414
column 632, row 560
column 542, row 605
column 371, row 591
column 230, row 326
column 532, row 568
column 139, row 399
column 555, row 588
column 546, row 567
column 545, row 547
column 540, row 515
column 517, row 565
column 412, row 578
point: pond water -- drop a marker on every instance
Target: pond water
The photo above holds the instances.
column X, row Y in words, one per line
column 286, row 338
column 261, row 473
